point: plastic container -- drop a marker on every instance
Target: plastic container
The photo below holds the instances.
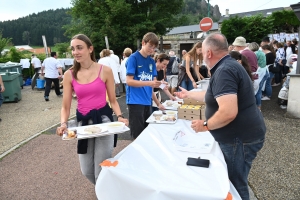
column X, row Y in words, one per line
column 11, row 83
column 40, row 84
column 13, row 67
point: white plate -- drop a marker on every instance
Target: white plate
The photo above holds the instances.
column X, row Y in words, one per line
column 171, row 107
column 152, row 119
column 103, row 129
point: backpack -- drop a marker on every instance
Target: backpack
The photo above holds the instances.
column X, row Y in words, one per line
column 175, row 67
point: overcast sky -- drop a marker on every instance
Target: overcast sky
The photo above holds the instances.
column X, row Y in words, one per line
column 14, row 9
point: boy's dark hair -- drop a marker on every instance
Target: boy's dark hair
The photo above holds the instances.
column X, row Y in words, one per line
column 151, row 38
column 161, row 57
column 266, row 39
column 53, row 54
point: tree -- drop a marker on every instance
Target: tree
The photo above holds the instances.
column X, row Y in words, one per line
column 123, row 21
column 3, row 42
column 62, row 48
column 285, row 21
column 252, row 28
column 26, row 37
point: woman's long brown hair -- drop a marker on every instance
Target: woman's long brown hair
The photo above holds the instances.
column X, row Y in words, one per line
column 76, row 66
column 192, row 53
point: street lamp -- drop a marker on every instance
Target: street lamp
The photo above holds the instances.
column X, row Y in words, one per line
column 296, row 9
column 208, row 8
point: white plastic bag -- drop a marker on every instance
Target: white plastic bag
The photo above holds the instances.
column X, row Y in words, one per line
column 283, row 93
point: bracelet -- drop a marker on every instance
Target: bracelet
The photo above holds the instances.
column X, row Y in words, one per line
column 64, row 123
column 120, row 116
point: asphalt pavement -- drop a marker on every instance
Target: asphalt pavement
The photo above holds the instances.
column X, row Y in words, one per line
column 37, row 164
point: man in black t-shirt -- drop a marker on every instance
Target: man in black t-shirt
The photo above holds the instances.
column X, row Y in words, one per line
column 232, row 116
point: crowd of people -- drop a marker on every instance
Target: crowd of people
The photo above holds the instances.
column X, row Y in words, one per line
column 240, row 77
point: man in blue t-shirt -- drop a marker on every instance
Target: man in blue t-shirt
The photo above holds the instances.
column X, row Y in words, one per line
column 141, row 79
column 232, row 116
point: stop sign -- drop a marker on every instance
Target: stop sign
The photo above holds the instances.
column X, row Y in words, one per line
column 206, row 24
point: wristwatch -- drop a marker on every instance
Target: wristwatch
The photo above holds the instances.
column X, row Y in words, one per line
column 205, row 125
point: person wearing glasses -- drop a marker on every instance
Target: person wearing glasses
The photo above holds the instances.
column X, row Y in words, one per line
column 141, row 79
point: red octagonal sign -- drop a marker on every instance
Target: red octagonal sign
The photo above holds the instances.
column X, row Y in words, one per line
column 206, row 24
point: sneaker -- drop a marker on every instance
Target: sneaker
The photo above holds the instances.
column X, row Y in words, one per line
column 118, row 95
column 265, row 98
column 283, row 106
column 60, row 94
column 275, row 84
column 0, row 119
column 46, row 98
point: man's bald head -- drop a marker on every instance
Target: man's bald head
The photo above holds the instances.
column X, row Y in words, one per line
column 214, row 47
column 216, row 42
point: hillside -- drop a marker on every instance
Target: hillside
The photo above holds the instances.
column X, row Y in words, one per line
column 29, row 29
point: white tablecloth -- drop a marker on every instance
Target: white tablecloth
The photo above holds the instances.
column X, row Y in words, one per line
column 151, row 168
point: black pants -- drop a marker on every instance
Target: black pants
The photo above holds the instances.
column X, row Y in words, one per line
column 36, row 70
column 138, row 114
column 48, row 86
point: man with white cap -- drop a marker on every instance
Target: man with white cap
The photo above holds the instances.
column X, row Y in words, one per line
column 241, row 46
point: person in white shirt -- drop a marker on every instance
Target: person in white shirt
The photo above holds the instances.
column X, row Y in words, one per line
column 52, row 70
column 126, row 53
column 106, row 60
column 117, row 60
column 36, row 64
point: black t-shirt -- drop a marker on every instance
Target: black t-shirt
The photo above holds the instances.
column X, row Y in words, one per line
column 160, row 76
column 169, row 66
column 270, row 59
column 229, row 77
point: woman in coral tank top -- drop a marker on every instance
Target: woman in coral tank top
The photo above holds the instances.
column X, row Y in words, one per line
column 90, row 81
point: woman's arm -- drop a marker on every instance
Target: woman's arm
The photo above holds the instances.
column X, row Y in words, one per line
column 110, row 87
column 66, row 102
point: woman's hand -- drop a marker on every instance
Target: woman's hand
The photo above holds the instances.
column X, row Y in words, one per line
column 173, row 98
column 161, row 107
column 194, row 84
column 124, row 120
column 60, row 130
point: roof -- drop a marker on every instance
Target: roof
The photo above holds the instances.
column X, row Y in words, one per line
column 265, row 12
column 26, row 47
column 188, row 29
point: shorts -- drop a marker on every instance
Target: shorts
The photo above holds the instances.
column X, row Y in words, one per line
column 138, row 114
column 172, row 80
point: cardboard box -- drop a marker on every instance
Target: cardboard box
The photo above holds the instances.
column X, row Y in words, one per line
column 188, row 117
column 192, row 102
column 192, row 110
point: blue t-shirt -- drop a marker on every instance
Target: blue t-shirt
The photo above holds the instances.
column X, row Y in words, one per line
column 142, row 69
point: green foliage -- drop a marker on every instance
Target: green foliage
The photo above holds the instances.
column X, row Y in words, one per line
column 26, row 37
column 4, row 59
column 285, row 21
column 195, row 10
column 123, row 22
column 252, row 28
column 15, row 55
column 3, row 43
column 256, row 27
column 62, row 48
